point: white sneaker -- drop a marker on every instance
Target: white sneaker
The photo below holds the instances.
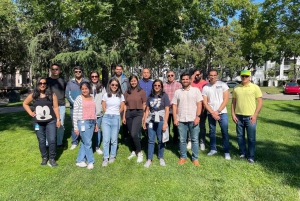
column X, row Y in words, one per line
column 140, row 158
column 131, row 155
column 189, row 145
column 227, row 156
column 212, row 152
column 147, row 164
column 202, row 146
column 73, row 146
column 162, row 162
column 81, row 164
column 99, row 151
column 90, row 166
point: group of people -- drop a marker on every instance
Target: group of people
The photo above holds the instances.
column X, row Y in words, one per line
column 99, row 111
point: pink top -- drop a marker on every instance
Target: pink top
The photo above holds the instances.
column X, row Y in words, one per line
column 199, row 84
column 88, row 109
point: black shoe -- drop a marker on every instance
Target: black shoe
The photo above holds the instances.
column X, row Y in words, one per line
column 44, row 161
column 52, row 163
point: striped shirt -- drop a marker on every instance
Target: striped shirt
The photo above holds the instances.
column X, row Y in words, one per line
column 83, row 110
column 170, row 88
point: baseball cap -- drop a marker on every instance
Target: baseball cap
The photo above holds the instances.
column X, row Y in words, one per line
column 246, row 72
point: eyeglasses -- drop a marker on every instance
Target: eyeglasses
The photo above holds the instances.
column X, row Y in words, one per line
column 245, row 76
column 42, row 83
column 94, row 76
column 114, row 85
column 170, row 75
column 157, row 85
column 55, row 69
column 197, row 75
column 77, row 71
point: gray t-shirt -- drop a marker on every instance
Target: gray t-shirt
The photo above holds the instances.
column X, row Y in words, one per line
column 214, row 94
column 58, row 86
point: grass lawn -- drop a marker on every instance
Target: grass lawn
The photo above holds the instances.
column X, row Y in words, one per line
column 272, row 90
column 274, row 176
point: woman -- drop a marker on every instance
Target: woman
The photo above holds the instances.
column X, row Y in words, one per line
column 45, row 118
column 135, row 104
column 156, row 114
column 84, row 121
column 113, row 104
column 97, row 92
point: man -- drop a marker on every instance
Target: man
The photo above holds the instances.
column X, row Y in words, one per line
column 170, row 87
column 215, row 98
column 58, row 86
column 244, row 111
column 187, row 105
column 72, row 91
column 199, row 82
column 145, row 82
column 121, row 77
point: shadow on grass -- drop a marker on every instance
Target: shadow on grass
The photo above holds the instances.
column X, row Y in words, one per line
column 287, row 107
column 11, row 121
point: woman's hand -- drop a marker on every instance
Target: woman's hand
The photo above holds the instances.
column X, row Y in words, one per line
column 164, row 128
column 76, row 132
column 124, row 120
column 32, row 114
column 96, row 128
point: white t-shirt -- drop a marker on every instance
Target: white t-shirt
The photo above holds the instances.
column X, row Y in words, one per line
column 113, row 103
column 214, row 94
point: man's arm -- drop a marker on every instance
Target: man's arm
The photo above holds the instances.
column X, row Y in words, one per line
column 233, row 104
column 174, row 107
column 257, row 110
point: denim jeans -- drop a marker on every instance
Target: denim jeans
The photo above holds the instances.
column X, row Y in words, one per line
column 86, row 151
column 61, row 129
column 110, row 129
column 244, row 123
column 74, row 136
column 97, row 135
column 183, row 127
column 47, row 131
column 223, row 122
column 155, row 130
column 202, row 135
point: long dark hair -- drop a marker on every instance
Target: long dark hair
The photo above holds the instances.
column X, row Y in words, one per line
column 129, row 88
column 161, row 92
column 118, row 92
column 99, row 85
column 36, row 92
column 87, row 84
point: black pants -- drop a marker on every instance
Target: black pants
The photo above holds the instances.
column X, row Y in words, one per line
column 175, row 129
column 134, row 121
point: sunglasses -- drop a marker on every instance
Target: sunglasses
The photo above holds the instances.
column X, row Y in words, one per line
column 157, row 85
column 77, row 71
column 246, row 76
column 170, row 75
column 94, row 76
column 54, row 69
column 114, row 85
column 42, row 83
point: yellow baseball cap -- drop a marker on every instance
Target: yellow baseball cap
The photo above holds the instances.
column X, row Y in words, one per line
column 246, row 72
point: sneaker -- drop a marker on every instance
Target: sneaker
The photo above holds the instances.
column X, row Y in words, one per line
column 212, row 152
column 81, row 164
column 227, row 156
column 105, row 162
column 99, row 151
column 44, row 161
column 202, row 146
column 196, row 163
column 140, row 157
column 189, row 145
column 73, row 146
column 90, row 166
column 242, row 156
column 131, row 155
column 148, row 163
column 52, row 163
column 162, row 162
column 182, row 161
column 111, row 159
column 250, row 161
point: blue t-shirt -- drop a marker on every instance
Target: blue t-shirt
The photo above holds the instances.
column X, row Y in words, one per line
column 158, row 103
column 146, row 86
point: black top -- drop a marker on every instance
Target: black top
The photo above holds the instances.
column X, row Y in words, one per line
column 43, row 110
column 58, row 86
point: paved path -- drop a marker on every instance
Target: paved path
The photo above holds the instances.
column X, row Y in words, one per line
column 4, row 110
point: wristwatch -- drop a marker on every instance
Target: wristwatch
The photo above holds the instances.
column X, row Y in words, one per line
column 199, row 115
column 220, row 112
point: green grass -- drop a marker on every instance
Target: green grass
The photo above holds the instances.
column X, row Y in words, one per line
column 272, row 90
column 274, row 176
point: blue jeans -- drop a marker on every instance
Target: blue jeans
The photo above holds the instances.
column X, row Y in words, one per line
column 183, row 127
column 74, row 136
column 155, row 130
column 223, row 122
column 60, row 131
column 97, row 135
column 86, row 151
column 110, row 129
column 244, row 123
column 47, row 131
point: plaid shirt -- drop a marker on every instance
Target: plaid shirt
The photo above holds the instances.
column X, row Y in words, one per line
column 170, row 88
